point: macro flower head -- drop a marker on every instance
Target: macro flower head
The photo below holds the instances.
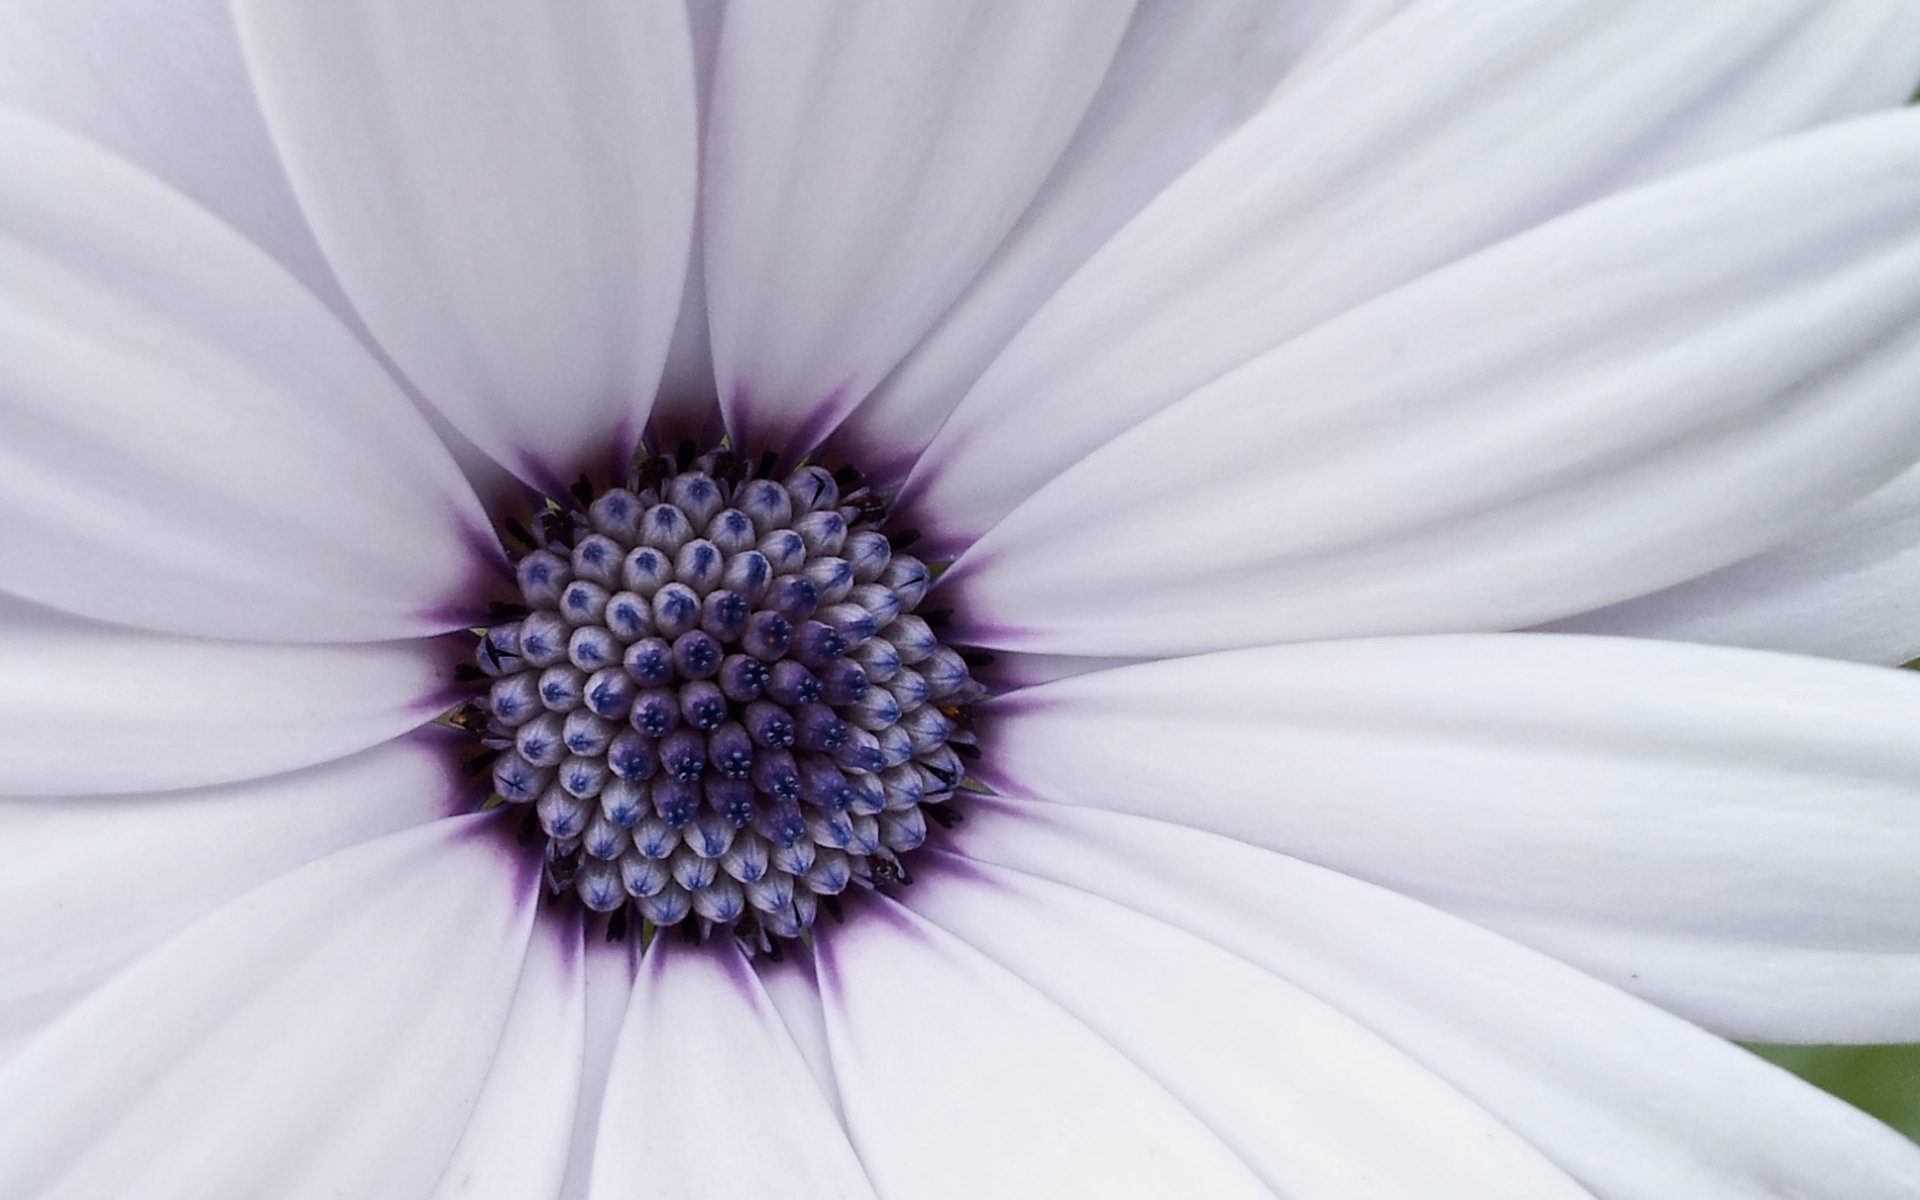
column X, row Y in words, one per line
column 640, row 599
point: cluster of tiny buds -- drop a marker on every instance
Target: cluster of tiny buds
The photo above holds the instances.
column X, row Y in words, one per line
column 717, row 699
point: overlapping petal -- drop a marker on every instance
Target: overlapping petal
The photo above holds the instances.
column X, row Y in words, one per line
column 1315, row 1103
column 1502, row 116
column 961, row 1081
column 1730, row 833
column 1847, row 589
column 862, row 162
column 189, row 441
column 516, row 1140
column 160, row 83
column 794, row 989
column 87, row 708
column 708, row 1093
column 1632, row 1102
column 1185, row 76
column 506, row 193
column 89, row 883
column 324, row 1036
column 609, row 977
column 1619, row 400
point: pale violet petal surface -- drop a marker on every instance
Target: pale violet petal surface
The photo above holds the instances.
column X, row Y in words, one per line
column 506, row 193
column 1312, row 1100
column 1733, row 834
column 326, row 1035
column 1632, row 1102
column 189, row 441
column 1849, row 588
column 88, row 708
column 708, row 1093
column 862, row 162
column 1185, row 76
column 1618, row 400
column 89, row 883
column 1502, row 115
column 959, row 1080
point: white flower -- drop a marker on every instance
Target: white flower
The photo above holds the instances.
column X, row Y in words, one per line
column 1235, row 338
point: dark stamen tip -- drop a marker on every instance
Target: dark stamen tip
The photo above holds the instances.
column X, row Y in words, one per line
column 518, row 532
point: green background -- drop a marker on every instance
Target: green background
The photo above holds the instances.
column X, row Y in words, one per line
column 1883, row 1080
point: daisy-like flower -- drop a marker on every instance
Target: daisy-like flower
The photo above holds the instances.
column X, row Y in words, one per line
column 976, row 540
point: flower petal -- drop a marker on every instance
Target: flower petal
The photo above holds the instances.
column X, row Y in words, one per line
column 794, row 990
column 1633, row 1103
column 88, row 708
column 324, row 1036
column 688, row 402
column 1184, row 77
column 506, row 193
column 961, row 1081
column 190, row 442
column 1638, row 393
column 862, row 163
column 610, row 968
column 708, row 1094
column 515, row 1143
column 1314, row 1102
column 1343, row 190
column 1732, row 834
column 1849, row 589
column 90, row 883
column 161, row 84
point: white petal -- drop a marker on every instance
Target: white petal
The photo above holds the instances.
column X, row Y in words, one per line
column 1849, row 589
column 88, row 708
column 1184, row 77
column 709, row 1095
column 324, row 1036
column 609, row 984
column 795, row 991
column 1313, row 1101
column 862, row 163
column 1638, row 393
column 506, row 193
column 189, row 441
column 688, row 401
column 1733, row 834
column 90, row 883
column 1633, row 1103
column 515, row 1143
column 1344, row 190
column 610, row 968
column 160, row 83
column 961, row 1081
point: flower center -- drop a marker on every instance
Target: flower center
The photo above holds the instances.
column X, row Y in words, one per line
column 720, row 703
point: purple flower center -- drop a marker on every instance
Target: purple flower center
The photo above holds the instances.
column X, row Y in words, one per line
column 720, row 703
